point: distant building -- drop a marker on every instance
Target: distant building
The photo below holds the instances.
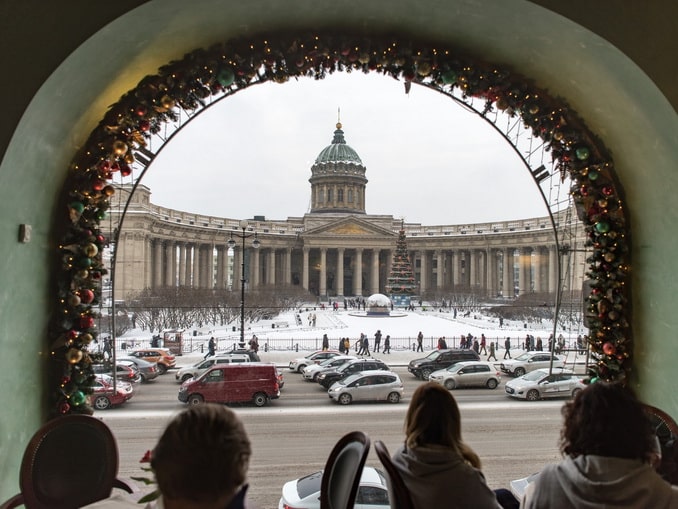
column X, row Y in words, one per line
column 337, row 249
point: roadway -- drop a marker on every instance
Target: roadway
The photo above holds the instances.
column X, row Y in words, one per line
column 293, row 435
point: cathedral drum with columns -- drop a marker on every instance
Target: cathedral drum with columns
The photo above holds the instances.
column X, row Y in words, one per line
column 337, row 249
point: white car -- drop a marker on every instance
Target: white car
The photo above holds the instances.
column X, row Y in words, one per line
column 200, row 367
column 313, row 358
column 304, row 493
column 561, row 383
column 529, row 361
column 468, row 374
column 371, row 385
column 311, row 371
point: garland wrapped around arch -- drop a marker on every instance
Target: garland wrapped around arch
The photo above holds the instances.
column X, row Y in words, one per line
column 234, row 65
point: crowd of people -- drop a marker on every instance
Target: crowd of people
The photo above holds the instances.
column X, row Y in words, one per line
column 610, row 454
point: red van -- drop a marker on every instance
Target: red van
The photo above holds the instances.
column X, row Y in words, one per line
column 233, row 383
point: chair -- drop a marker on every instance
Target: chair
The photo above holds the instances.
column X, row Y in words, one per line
column 666, row 430
column 341, row 476
column 399, row 495
column 71, row 461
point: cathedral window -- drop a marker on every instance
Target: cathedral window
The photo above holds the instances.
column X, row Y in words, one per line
column 340, row 195
column 350, row 195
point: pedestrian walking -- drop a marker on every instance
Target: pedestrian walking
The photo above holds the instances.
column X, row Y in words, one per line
column 387, row 344
column 377, row 340
column 483, row 343
column 507, row 347
column 326, row 343
column 211, row 347
column 420, row 342
column 360, row 345
column 341, row 346
column 491, row 354
column 366, row 345
column 347, row 346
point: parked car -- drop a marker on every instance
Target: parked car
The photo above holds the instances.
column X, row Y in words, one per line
column 378, row 385
column 162, row 356
column 125, row 371
column 104, row 394
column 201, row 366
column 254, row 356
column 529, row 361
column 468, row 374
column 440, row 359
column 300, row 363
column 233, row 383
column 327, row 377
column 147, row 370
column 310, row 373
column 538, row 384
column 304, row 493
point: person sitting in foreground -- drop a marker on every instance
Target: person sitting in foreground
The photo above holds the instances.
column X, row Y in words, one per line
column 609, row 445
column 201, row 460
column 437, row 467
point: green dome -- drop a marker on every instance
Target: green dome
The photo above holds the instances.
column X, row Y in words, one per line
column 338, row 151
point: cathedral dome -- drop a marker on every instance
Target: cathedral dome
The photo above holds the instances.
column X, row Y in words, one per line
column 338, row 151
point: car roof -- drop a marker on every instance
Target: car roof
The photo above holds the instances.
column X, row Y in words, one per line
column 556, row 370
column 474, row 363
column 376, row 372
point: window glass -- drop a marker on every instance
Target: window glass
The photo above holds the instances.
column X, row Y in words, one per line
column 340, row 195
column 350, row 196
column 372, row 495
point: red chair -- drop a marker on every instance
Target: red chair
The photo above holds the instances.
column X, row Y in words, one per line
column 341, row 476
column 71, row 461
column 398, row 493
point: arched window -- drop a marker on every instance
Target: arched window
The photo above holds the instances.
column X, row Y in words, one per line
column 350, row 195
column 329, row 196
column 340, row 195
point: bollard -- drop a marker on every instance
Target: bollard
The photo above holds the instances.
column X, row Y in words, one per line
column 202, row 348
column 296, row 347
column 265, row 347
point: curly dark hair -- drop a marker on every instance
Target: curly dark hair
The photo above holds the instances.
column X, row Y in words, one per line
column 606, row 419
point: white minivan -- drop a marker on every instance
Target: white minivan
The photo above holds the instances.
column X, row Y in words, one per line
column 200, row 367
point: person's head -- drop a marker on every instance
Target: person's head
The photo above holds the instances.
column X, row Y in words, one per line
column 202, row 457
column 433, row 418
column 606, row 419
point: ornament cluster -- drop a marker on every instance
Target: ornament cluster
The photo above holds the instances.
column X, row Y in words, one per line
column 232, row 66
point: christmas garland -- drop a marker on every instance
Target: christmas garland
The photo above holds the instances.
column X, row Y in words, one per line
column 226, row 68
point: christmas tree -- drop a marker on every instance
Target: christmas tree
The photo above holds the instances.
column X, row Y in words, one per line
column 400, row 282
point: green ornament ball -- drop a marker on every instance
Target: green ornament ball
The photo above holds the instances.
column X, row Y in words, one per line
column 582, row 153
column 602, row 227
column 225, row 76
column 448, row 77
column 78, row 398
column 77, row 206
column 593, row 175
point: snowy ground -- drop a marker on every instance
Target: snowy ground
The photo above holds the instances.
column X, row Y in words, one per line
column 291, row 330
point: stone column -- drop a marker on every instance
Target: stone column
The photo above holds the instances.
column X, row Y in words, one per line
column 196, row 265
column 323, row 272
column 423, row 273
column 288, row 266
column 553, row 269
column 440, row 270
column 340, row 272
column 220, row 267
column 508, row 279
column 182, row 264
column 270, row 277
column 255, row 271
column 525, row 264
column 473, row 269
column 304, row 275
column 374, row 272
column 358, row 272
column 148, row 262
column 157, row 263
column 538, row 265
column 454, row 264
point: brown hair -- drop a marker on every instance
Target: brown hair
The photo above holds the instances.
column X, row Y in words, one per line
column 606, row 419
column 202, row 455
column 433, row 418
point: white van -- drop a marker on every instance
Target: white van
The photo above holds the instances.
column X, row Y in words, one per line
column 200, row 367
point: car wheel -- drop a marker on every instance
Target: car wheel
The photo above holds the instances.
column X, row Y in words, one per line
column 425, row 374
column 394, row 397
column 345, row 399
column 449, row 384
column 315, row 377
column 492, row 383
column 186, row 377
column 102, row 403
column 519, row 372
column 260, row 399
column 195, row 399
column 532, row 395
column 143, row 378
column 300, row 368
column 575, row 392
column 162, row 369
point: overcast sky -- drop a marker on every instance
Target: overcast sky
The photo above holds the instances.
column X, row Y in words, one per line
column 428, row 160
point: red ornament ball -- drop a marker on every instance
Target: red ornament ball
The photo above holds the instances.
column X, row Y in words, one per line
column 86, row 295
column 609, row 349
column 86, row 322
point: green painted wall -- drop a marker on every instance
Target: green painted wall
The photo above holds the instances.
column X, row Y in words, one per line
column 614, row 96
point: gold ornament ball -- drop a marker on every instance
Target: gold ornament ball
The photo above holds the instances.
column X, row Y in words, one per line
column 73, row 355
column 108, row 190
column 86, row 338
column 129, row 157
column 91, row 250
column 119, row 147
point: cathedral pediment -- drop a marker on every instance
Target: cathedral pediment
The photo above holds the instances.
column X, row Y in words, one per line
column 348, row 227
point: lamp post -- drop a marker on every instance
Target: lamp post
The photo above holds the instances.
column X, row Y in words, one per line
column 231, row 244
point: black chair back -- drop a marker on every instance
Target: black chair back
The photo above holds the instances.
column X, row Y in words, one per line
column 398, row 493
column 341, row 476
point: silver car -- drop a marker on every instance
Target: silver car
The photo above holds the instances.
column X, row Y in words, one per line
column 538, row 384
column 468, row 374
column 372, row 385
column 311, row 371
column 200, row 367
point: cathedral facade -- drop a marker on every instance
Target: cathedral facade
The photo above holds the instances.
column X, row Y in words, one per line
column 337, row 249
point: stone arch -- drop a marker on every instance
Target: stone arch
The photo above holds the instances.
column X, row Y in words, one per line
column 235, row 65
